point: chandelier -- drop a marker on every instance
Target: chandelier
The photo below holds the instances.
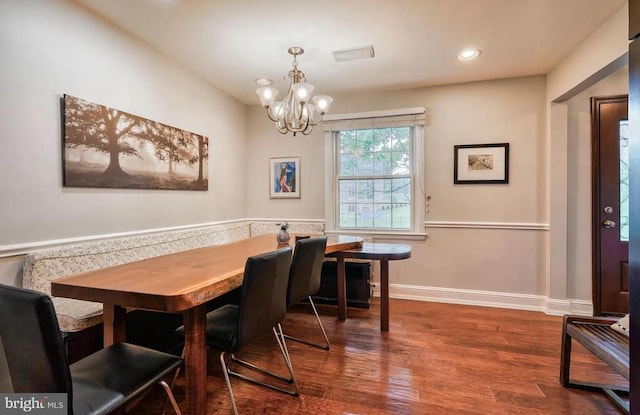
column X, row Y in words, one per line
column 294, row 113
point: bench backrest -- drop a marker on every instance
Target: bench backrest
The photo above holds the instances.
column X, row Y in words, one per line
column 43, row 266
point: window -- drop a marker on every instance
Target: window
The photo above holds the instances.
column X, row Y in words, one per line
column 375, row 160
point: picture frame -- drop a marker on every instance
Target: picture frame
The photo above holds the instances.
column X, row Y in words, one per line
column 284, row 177
column 104, row 147
column 481, row 163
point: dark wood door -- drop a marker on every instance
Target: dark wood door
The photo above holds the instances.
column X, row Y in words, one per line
column 610, row 129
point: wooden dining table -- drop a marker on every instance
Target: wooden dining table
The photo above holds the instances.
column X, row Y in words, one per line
column 182, row 282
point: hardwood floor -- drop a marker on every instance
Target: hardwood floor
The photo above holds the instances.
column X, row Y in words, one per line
column 436, row 359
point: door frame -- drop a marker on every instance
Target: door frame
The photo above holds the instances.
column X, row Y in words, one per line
column 596, row 229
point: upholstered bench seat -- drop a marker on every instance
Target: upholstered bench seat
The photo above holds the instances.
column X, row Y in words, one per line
column 74, row 315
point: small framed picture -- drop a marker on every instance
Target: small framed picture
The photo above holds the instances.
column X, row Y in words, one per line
column 284, row 173
column 481, row 163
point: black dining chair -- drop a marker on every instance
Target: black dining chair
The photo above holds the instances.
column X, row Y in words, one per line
column 305, row 279
column 100, row 383
column 261, row 309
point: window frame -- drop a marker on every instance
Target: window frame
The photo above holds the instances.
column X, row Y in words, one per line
column 411, row 117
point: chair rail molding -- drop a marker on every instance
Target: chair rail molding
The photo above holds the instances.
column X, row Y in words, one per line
column 27, row 247
column 488, row 225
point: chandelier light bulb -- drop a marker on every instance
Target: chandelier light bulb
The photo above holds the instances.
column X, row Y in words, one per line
column 302, row 91
column 322, row 103
column 267, row 95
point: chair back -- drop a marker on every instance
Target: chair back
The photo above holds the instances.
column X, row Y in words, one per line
column 32, row 342
column 263, row 297
column 306, row 269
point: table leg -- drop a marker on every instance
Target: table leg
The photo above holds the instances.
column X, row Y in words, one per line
column 113, row 320
column 342, row 289
column 195, row 360
column 384, row 295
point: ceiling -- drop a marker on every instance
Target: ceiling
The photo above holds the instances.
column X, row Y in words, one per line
column 231, row 43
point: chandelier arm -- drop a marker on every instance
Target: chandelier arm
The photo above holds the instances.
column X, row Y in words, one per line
column 300, row 116
column 269, row 114
column 314, row 124
column 281, row 130
column 308, row 120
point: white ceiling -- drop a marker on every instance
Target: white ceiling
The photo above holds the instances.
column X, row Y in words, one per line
column 231, row 43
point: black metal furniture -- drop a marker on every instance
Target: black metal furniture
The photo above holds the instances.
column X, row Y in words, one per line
column 305, row 278
column 100, row 383
column 261, row 309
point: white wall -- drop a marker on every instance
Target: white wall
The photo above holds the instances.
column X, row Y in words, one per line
column 52, row 47
column 580, row 69
column 579, row 179
column 454, row 259
column 598, row 56
column 264, row 142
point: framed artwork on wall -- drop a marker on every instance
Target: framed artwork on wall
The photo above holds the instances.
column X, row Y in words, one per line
column 107, row 147
column 284, row 173
column 481, row 163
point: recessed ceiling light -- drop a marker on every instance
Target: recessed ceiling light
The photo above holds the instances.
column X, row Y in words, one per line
column 264, row 81
column 468, row 54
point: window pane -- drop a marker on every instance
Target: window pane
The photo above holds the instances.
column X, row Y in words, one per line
column 364, row 191
column 347, row 164
column 382, row 190
column 347, row 191
column 401, row 163
column 624, row 180
column 401, row 216
column 382, row 216
column 365, row 215
column 401, row 139
column 347, row 141
column 401, row 190
column 347, row 215
column 383, row 137
column 364, row 164
column 382, row 163
column 364, row 141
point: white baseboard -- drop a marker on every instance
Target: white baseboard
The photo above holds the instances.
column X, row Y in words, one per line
column 514, row 301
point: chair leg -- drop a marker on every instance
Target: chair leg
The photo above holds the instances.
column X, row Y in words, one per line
column 287, row 361
column 173, row 382
column 225, row 372
column 565, row 356
column 172, row 398
column 285, row 354
column 324, row 346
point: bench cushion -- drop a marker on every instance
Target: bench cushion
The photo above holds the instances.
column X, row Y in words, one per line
column 76, row 315
column 622, row 325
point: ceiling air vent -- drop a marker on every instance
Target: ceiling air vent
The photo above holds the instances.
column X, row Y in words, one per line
column 365, row 52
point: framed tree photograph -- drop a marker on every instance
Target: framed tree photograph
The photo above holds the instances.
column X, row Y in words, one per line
column 107, row 147
column 284, row 173
column 481, row 163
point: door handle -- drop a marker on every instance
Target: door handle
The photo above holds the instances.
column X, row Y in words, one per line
column 608, row 224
